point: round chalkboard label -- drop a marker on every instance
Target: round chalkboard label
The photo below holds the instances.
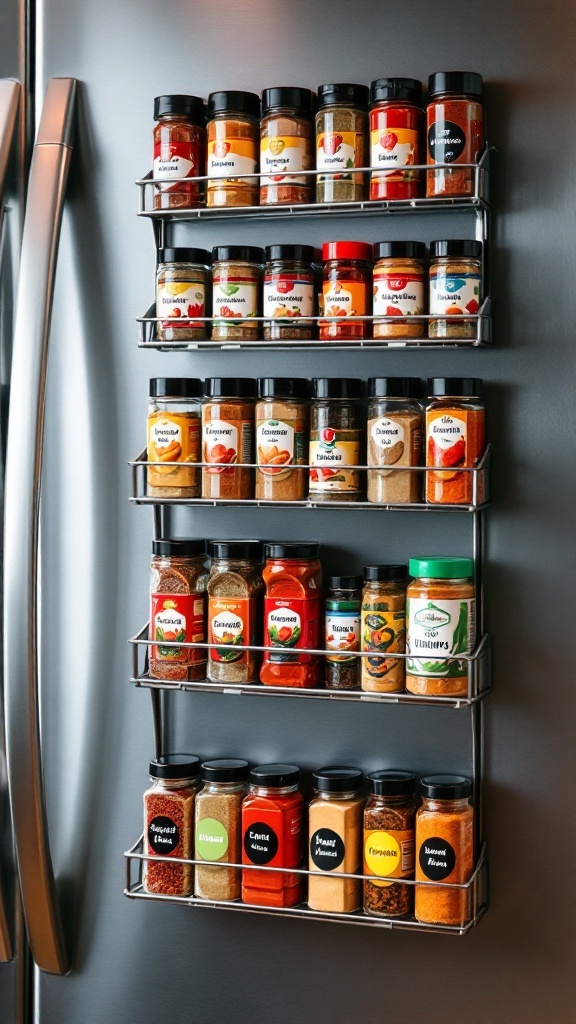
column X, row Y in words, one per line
column 163, row 835
column 446, row 141
column 260, row 843
column 326, row 849
column 437, row 858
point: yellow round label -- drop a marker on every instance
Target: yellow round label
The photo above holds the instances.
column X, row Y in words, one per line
column 388, row 854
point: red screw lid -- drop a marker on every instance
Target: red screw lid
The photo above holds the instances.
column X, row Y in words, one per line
column 347, row 251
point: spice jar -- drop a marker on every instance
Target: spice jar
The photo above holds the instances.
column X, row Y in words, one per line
column 342, row 624
column 288, row 292
column 181, row 281
column 394, row 436
column 341, row 142
column 444, row 849
column 441, row 620
column 455, row 286
column 399, row 289
column 228, row 437
column 455, row 121
column 179, row 151
column 218, row 825
column 455, row 438
column 286, row 144
column 396, row 127
column 335, row 839
column 174, row 413
column 281, row 438
column 169, row 823
column 235, row 591
column 177, row 586
column 236, row 273
column 272, row 836
column 292, row 614
column 383, row 627
column 389, row 842
column 335, row 439
column 346, row 289
column 233, row 136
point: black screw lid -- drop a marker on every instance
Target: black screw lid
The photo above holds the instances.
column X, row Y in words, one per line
column 189, row 106
column 391, row 783
column 287, row 96
column 275, row 775
column 450, row 387
column 343, row 92
column 337, row 779
column 238, row 253
column 406, row 250
column 185, row 256
column 456, row 247
column 227, row 770
column 304, row 253
column 345, row 582
column 244, row 550
column 446, row 787
column 283, row 387
column 389, row 573
column 230, row 387
column 176, row 387
column 336, row 387
column 232, row 101
column 292, row 549
column 179, row 548
column 175, row 766
column 467, row 83
column 409, row 89
column 394, row 387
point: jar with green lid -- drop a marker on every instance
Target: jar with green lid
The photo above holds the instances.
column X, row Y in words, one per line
column 441, row 614
column 341, row 142
column 343, row 632
column 455, row 286
column 383, row 627
column 236, row 276
column 181, row 287
column 335, row 438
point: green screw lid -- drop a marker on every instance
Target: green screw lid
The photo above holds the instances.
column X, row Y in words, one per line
column 444, row 568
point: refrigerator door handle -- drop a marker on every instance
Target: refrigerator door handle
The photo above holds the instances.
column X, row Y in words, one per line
column 45, row 200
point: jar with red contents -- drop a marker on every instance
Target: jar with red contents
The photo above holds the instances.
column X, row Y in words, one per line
column 179, row 151
column 455, row 121
column 346, row 290
column 272, row 836
column 293, row 614
column 396, row 129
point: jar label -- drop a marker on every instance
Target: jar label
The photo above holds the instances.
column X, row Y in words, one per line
column 339, row 150
column 393, row 147
column 454, row 294
column 227, row 157
column 180, row 299
column 342, row 634
column 396, row 295
column 163, row 835
column 386, row 443
column 384, row 632
column 446, row 441
column 226, row 442
column 173, row 438
column 282, row 153
column 177, row 618
column 436, row 858
column 231, row 624
column 211, row 839
column 234, row 298
column 174, row 160
column 270, row 836
column 343, row 298
column 276, row 445
column 328, row 454
column 327, row 849
column 388, row 854
column 437, row 629
column 291, row 623
column 286, row 295
column 446, row 142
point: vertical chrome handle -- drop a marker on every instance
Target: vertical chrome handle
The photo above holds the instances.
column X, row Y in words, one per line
column 46, row 191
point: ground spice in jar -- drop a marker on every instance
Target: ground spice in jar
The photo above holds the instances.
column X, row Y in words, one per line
column 399, row 289
column 272, row 836
column 455, row 131
column 389, row 842
column 383, row 627
column 236, row 275
column 281, row 438
column 394, row 438
column 341, row 142
column 455, row 438
column 396, row 123
column 181, row 285
column 177, row 609
column 293, row 614
column 228, row 437
column 288, row 292
column 346, row 290
column 169, row 824
column 455, row 286
column 286, row 144
column 179, row 151
column 335, row 439
column 217, row 833
column 343, row 629
column 335, row 839
column 174, row 413
column 444, row 849
column 235, row 590
column 233, row 139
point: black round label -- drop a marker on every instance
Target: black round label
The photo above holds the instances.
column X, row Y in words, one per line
column 437, row 858
column 163, row 835
column 326, row 849
column 260, row 843
column 446, row 141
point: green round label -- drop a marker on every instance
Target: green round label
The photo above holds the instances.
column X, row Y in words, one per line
column 211, row 839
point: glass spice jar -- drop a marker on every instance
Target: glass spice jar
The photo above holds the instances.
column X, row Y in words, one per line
column 455, row 438
column 236, row 275
column 235, row 590
column 292, row 614
column 394, row 438
column 389, row 842
column 181, row 286
column 169, row 824
column 335, row 839
column 286, row 144
column 346, row 290
column 174, row 413
column 342, row 623
column 272, row 816
column 179, row 151
column 217, row 832
column 399, row 289
column 455, row 120
column 228, row 437
column 341, row 142
column 444, row 849
column 335, row 439
column 455, row 286
column 282, row 414
column 383, row 627
column 396, row 127
column 177, row 610
column 288, row 292
column 233, row 138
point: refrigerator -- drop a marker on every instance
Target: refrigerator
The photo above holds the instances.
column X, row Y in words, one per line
column 76, row 273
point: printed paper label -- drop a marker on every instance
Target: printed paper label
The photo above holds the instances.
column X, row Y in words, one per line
column 227, row 157
column 233, row 299
column 275, row 445
column 384, row 632
column 280, row 154
column 437, row 629
column 328, row 456
column 393, row 147
column 292, row 623
column 173, row 160
column 388, row 854
column 173, row 439
column 345, row 298
column 454, row 294
column 220, row 444
column 180, row 299
column 398, row 296
column 230, row 624
column 337, row 151
column 342, row 634
column 287, row 296
column 177, row 618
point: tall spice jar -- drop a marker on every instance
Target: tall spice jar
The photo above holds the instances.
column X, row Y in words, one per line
column 455, row 287
column 272, row 836
column 335, row 839
column 292, row 614
column 335, row 439
column 383, row 628
column 394, row 438
column 286, row 144
column 174, row 420
column 396, row 128
column 228, row 437
column 399, row 289
column 341, row 142
column 389, row 843
column 169, row 824
column 346, row 290
column 233, row 139
column 177, row 609
column 455, row 124
column 181, row 291
column 444, row 849
column 179, row 151
column 236, row 277
column 343, row 631
column 235, row 591
column 455, row 438
column 218, row 825
column 282, row 414
column 288, row 292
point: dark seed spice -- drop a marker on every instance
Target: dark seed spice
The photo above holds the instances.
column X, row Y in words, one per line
column 388, row 848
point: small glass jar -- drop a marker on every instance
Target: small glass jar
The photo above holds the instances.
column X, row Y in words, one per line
column 272, row 820
column 181, row 287
column 335, row 439
column 288, row 292
column 228, row 437
column 341, row 142
column 293, row 614
column 399, row 289
column 342, row 624
column 441, row 620
column 286, row 144
column 218, row 826
column 394, row 438
column 235, row 590
column 455, row 120
column 282, row 414
column 177, row 609
column 396, row 127
column 174, row 412
column 169, row 824
column 233, row 138
column 236, row 276
column 455, row 438
column 346, row 290
column 383, row 627
column 389, row 843
column 444, row 849
column 455, row 286
column 335, row 840
column 179, row 151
